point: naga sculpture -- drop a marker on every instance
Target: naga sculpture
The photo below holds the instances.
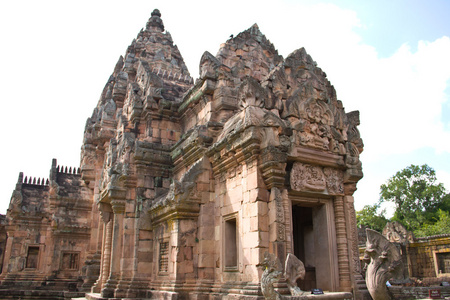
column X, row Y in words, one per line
column 383, row 263
column 271, row 274
column 293, row 270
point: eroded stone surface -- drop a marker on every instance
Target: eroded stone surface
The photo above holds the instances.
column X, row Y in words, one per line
column 189, row 184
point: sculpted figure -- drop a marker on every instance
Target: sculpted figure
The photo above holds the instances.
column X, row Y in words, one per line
column 395, row 232
column 307, row 177
column 293, row 270
column 271, row 274
column 384, row 262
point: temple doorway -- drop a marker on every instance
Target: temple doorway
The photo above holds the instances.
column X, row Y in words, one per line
column 303, row 234
column 314, row 244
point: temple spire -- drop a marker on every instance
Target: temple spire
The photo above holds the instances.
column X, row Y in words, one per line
column 155, row 23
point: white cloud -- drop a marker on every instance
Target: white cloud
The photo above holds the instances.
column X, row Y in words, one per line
column 444, row 178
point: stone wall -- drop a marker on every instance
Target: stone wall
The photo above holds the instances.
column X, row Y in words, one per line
column 426, row 259
column 429, row 257
column 407, row 293
column 185, row 185
column 48, row 230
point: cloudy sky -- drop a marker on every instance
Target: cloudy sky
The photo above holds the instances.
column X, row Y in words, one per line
column 388, row 59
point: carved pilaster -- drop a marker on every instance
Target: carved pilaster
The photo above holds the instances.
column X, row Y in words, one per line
column 106, row 257
column 359, row 285
column 277, row 223
column 353, row 234
column 342, row 246
column 118, row 207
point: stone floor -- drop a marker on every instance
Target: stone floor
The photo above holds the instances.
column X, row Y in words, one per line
column 326, row 296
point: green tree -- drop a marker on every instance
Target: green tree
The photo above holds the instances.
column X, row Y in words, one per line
column 416, row 196
column 441, row 226
column 371, row 217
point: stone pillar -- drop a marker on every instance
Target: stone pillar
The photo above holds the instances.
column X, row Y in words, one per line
column 118, row 207
column 106, row 265
column 106, row 256
column 277, row 224
column 342, row 245
column 7, row 266
column 92, row 268
column 352, row 234
column 138, row 284
column 128, row 255
column 358, row 282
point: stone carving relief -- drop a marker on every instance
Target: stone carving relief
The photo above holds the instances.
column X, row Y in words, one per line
column 383, row 263
column 208, row 66
column 353, row 235
column 16, row 201
column 105, row 212
column 313, row 135
column 276, row 197
column 88, row 160
column 294, row 269
column 337, row 142
column 272, row 273
column 276, row 84
column 397, row 233
column 250, row 113
column 316, row 111
column 305, row 177
column 353, row 132
column 334, row 180
column 54, row 188
column 352, row 158
column 179, row 191
column 117, row 162
column 251, row 93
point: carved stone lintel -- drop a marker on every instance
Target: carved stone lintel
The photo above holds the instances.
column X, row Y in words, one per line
column 305, row 177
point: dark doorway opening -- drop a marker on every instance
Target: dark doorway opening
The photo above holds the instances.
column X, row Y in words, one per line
column 304, row 244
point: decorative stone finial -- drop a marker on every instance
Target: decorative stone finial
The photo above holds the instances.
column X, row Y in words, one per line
column 155, row 23
column 156, row 12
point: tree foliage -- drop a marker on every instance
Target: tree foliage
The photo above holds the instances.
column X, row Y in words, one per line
column 415, row 194
column 441, row 226
column 371, row 217
column 421, row 204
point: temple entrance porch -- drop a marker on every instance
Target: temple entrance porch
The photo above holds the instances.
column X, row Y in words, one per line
column 314, row 242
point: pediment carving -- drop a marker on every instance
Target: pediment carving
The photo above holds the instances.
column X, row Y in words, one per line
column 316, row 111
column 251, row 93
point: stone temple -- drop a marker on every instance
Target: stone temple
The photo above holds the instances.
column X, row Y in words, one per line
column 183, row 186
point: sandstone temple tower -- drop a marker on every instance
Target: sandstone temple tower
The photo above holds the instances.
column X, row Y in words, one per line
column 183, row 186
